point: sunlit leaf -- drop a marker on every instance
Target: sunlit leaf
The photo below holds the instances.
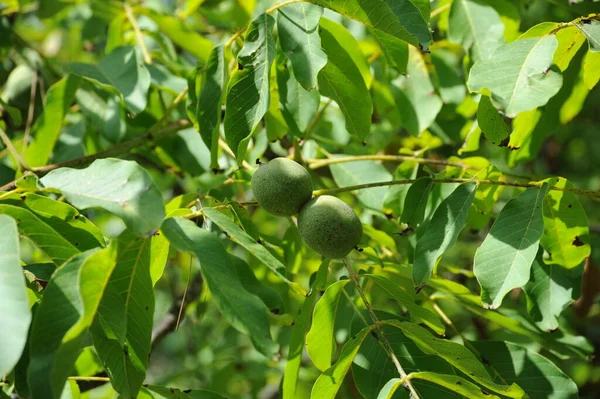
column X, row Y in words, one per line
column 14, row 306
column 519, row 75
column 591, row 30
column 297, row 25
column 591, row 69
column 121, row 187
column 297, row 105
column 503, row 261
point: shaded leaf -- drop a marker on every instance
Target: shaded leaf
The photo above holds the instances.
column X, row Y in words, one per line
column 245, row 311
column 453, row 383
column 47, row 127
column 172, row 393
column 538, row 376
column 491, row 122
column 256, row 249
column 297, row 26
column 549, row 291
column 566, row 235
column 121, row 187
column 297, row 105
column 14, row 305
column 122, row 329
column 121, row 72
column 442, row 231
column 395, row 50
column 416, row 201
column 503, row 261
column 519, row 75
column 13, row 112
column 591, row 30
column 248, row 91
column 52, row 357
column 268, row 295
column 208, row 107
column 342, row 81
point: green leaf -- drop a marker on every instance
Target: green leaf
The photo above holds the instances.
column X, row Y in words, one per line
column 52, row 357
column 503, row 261
column 176, row 30
column 122, row 329
column 298, row 334
column 477, row 26
column 491, row 122
column 320, row 340
column 361, row 172
column 566, row 234
column 249, row 88
column 415, row 95
column 391, row 16
column 159, row 254
column 121, row 72
column 13, row 112
column 173, row 393
column 14, row 305
column 591, row 30
column 415, row 202
column 418, row 314
column 47, row 127
column 329, row 383
column 208, row 107
column 549, row 291
column 260, row 252
column 395, row 50
column 442, row 231
column 519, row 75
column 538, row 376
column 245, row 311
column 591, row 69
column 342, row 81
column 47, row 238
column 121, row 187
column 268, row 295
column 453, row 383
column 297, row 105
column 570, row 41
column 165, row 80
column 103, row 109
column 297, row 26
column 456, row 355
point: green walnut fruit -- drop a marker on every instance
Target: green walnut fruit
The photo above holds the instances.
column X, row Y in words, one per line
column 282, row 186
column 329, row 226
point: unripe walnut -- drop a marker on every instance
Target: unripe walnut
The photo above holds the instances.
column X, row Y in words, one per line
column 282, row 186
column 329, row 226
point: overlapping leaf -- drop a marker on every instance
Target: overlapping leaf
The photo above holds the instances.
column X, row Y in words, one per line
column 121, row 187
column 442, row 231
column 297, row 26
column 362, row 172
column 503, row 261
column 245, row 311
column 591, row 30
column 298, row 106
column 249, row 88
column 491, row 122
column 415, row 202
column 121, row 72
column 519, row 75
column 14, row 305
column 47, row 127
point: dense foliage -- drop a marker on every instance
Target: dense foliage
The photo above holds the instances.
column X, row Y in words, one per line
column 136, row 263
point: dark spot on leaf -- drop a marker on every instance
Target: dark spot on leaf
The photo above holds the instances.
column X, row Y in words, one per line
column 240, row 366
column 258, row 161
column 474, row 231
column 259, row 241
column 23, row 197
column 570, row 206
column 321, row 292
column 551, row 330
column 504, row 143
column 419, row 288
column 172, row 390
column 146, row 308
column 240, row 67
column 578, row 242
column 76, row 244
column 374, row 335
column 353, row 337
column 485, row 393
column 275, row 311
column 187, row 391
column 458, row 383
column 484, row 360
column 407, row 231
column 364, row 143
column 293, row 323
column 513, row 148
column 76, row 216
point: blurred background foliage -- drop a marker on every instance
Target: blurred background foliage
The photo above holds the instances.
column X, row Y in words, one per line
column 40, row 40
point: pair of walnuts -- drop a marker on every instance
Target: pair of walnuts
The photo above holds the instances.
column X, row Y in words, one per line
column 327, row 224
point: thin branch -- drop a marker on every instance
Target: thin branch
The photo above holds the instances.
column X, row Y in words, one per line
column 138, row 33
column 283, row 4
column 90, row 378
column 316, row 120
column 13, row 151
column 390, row 350
column 332, row 191
column 439, row 10
column 319, row 163
column 30, row 111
